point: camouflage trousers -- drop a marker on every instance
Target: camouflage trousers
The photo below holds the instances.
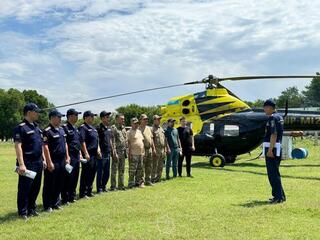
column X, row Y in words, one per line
column 147, row 163
column 135, row 170
column 118, row 165
column 157, row 166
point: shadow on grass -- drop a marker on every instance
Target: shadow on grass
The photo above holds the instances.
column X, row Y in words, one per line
column 9, row 217
column 251, row 164
column 207, row 166
column 264, row 174
column 254, row 203
column 13, row 216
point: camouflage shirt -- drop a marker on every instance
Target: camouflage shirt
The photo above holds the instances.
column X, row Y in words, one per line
column 119, row 137
column 158, row 137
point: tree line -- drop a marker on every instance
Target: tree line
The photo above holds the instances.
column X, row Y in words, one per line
column 310, row 97
column 12, row 102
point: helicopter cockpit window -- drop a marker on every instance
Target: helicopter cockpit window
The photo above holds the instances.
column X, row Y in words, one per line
column 174, row 102
column 208, row 128
column 200, row 95
column 231, row 130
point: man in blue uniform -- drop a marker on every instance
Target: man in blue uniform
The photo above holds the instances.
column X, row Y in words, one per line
column 272, row 150
column 68, row 193
column 91, row 151
column 103, row 165
column 29, row 149
column 57, row 156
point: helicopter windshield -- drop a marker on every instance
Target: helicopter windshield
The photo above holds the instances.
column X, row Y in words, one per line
column 174, row 102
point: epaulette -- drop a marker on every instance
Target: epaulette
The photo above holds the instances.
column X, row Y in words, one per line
column 47, row 129
column 22, row 124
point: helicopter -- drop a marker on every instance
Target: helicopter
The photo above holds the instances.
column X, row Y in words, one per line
column 224, row 126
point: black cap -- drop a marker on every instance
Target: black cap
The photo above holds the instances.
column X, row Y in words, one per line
column 55, row 113
column 104, row 113
column 270, row 102
column 72, row 111
column 88, row 114
column 31, row 107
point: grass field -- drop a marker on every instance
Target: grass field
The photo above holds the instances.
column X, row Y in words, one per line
column 227, row 203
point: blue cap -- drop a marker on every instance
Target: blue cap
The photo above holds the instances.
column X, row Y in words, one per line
column 55, row 113
column 88, row 114
column 31, row 107
column 270, row 102
column 104, row 113
column 72, row 111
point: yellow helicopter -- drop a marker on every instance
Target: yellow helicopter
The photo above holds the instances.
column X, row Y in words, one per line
column 224, row 126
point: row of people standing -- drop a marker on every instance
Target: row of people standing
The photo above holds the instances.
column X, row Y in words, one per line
column 57, row 146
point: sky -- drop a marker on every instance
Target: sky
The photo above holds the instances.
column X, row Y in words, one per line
column 74, row 50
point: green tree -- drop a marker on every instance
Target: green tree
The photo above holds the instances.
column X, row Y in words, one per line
column 41, row 101
column 11, row 102
column 293, row 96
column 312, row 93
column 134, row 110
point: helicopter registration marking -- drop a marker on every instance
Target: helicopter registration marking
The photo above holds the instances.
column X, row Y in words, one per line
column 303, row 120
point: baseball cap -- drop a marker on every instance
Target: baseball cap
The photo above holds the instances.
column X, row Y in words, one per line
column 143, row 116
column 55, row 113
column 156, row 117
column 104, row 113
column 88, row 114
column 270, row 102
column 72, row 111
column 171, row 120
column 31, row 107
column 134, row 120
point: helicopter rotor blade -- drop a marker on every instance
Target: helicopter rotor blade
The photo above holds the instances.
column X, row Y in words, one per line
column 215, row 80
column 265, row 77
column 113, row 96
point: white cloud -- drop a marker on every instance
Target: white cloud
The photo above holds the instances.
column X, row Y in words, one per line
column 101, row 48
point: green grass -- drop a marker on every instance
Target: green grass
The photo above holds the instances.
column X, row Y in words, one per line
column 227, row 203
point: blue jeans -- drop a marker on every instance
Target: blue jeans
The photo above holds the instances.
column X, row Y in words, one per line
column 172, row 160
column 103, row 172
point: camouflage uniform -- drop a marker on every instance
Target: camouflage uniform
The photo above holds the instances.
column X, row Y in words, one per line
column 160, row 145
column 148, row 158
column 119, row 140
column 135, row 170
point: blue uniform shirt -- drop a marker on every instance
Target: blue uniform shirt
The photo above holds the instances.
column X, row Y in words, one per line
column 89, row 135
column 274, row 125
column 31, row 139
column 73, row 137
column 55, row 138
column 104, row 133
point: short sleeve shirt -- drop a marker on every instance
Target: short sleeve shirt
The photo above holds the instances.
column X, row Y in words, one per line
column 172, row 137
column 55, row 138
column 135, row 139
column 274, row 125
column 31, row 138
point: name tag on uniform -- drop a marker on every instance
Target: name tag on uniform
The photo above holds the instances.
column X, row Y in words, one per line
column 56, row 136
column 89, row 130
column 30, row 132
column 70, row 131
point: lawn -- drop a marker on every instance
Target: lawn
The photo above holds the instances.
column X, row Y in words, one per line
column 226, row 203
